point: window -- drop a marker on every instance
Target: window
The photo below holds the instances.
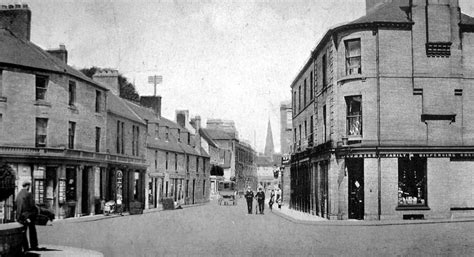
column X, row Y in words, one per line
column 70, row 184
column 324, row 71
column 305, row 130
column 324, row 123
column 294, row 102
column 167, row 133
column 97, row 139
column 203, row 165
column 294, row 132
column 203, row 187
column 120, row 137
column 353, row 60
column 299, row 141
column 176, row 162
column 166, row 161
column 41, row 131
column 39, row 191
column 41, row 84
column 412, row 189
column 354, row 115
column 304, row 93
column 71, row 134
column 157, row 130
column 72, row 92
column 311, row 89
column 299, row 98
column 197, row 164
column 187, row 163
column 189, row 138
column 156, row 159
column 98, row 97
column 136, row 185
column 135, row 140
column 179, row 135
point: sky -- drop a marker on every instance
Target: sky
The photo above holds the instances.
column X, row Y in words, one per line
column 224, row 59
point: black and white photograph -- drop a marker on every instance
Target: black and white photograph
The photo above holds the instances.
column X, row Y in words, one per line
column 236, row 128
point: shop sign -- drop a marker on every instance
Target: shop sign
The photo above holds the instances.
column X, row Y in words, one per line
column 285, row 159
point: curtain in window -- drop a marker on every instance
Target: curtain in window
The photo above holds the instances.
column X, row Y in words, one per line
column 354, row 116
column 353, row 60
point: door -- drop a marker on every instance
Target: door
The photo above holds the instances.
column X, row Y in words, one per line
column 85, row 191
column 355, row 169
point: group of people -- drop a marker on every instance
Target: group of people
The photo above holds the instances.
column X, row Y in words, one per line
column 275, row 197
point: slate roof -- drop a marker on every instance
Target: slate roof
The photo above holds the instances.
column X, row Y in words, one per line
column 119, row 107
column 20, row 52
column 217, row 134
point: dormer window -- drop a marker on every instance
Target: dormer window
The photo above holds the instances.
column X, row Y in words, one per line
column 353, row 57
column 41, row 85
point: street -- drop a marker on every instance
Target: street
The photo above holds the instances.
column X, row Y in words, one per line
column 213, row 230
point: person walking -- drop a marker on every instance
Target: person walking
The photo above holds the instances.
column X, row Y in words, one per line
column 26, row 212
column 260, row 199
column 249, row 197
column 272, row 199
column 278, row 197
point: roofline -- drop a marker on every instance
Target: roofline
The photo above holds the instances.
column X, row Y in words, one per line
column 97, row 85
column 331, row 33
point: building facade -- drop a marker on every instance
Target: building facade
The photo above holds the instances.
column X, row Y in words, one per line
column 382, row 124
column 53, row 124
column 286, row 135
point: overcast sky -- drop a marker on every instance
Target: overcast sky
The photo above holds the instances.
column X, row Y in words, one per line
column 219, row 59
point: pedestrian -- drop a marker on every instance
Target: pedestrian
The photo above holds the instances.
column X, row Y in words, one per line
column 26, row 212
column 249, row 196
column 272, row 199
column 278, row 197
column 260, row 199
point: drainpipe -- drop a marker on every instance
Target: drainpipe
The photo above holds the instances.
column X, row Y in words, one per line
column 379, row 170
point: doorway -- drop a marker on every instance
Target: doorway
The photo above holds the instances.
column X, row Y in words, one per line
column 355, row 169
column 85, row 191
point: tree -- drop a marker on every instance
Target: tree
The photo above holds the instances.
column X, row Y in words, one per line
column 127, row 89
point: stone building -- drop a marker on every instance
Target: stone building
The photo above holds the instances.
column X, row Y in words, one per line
column 53, row 123
column 286, row 129
column 242, row 166
column 382, row 116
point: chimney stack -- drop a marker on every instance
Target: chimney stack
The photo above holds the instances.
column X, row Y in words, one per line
column 182, row 118
column 196, row 123
column 17, row 19
column 60, row 53
column 108, row 78
column 153, row 102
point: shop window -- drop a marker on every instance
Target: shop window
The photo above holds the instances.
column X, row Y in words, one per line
column 41, row 131
column 70, row 184
column 354, row 115
column 41, row 86
column 412, row 189
column 136, row 185
column 353, row 57
column 39, row 191
column 71, row 134
column 72, row 93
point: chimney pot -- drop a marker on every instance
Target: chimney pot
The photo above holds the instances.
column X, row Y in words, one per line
column 10, row 6
column 25, row 6
column 18, row 6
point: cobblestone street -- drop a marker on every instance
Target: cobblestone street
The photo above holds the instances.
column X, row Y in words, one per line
column 213, row 230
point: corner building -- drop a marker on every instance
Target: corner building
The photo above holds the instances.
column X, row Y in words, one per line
column 383, row 121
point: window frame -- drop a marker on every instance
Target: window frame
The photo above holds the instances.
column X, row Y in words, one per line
column 44, row 136
column 412, row 164
column 350, row 116
column 71, row 134
column 349, row 57
column 41, row 86
column 97, row 138
column 72, row 93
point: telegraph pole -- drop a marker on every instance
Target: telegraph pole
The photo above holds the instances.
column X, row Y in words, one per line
column 155, row 79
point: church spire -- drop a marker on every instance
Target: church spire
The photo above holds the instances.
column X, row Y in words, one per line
column 269, row 150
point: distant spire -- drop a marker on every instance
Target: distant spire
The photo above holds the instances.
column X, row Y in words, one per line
column 269, row 150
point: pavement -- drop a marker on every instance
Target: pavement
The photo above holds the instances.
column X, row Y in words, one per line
column 306, row 218
column 62, row 251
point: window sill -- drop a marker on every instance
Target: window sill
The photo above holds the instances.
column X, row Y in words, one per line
column 350, row 78
column 42, row 103
column 412, row 208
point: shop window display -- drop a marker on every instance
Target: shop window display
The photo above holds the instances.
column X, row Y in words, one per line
column 412, row 182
